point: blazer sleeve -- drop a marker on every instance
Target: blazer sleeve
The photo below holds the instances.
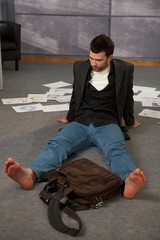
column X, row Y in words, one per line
column 128, row 109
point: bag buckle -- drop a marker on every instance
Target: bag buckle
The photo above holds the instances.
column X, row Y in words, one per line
column 99, row 202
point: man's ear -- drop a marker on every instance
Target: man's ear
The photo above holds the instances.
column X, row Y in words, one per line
column 110, row 57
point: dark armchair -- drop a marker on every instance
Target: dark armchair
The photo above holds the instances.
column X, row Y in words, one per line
column 11, row 43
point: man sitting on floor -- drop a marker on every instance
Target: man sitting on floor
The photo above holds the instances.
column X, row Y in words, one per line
column 102, row 97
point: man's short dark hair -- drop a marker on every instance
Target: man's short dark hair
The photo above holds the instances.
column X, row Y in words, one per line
column 102, row 43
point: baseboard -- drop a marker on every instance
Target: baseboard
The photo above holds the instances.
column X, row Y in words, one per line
column 31, row 58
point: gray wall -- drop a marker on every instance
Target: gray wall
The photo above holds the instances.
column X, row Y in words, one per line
column 66, row 27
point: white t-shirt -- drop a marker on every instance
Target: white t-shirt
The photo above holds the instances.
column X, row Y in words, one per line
column 100, row 79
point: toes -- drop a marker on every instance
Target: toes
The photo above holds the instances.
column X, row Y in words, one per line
column 10, row 161
column 143, row 176
column 6, row 165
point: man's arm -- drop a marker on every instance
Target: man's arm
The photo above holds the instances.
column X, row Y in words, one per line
column 128, row 110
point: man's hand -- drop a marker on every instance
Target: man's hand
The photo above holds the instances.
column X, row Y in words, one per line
column 62, row 120
column 136, row 124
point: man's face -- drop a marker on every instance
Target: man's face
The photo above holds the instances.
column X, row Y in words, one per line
column 99, row 61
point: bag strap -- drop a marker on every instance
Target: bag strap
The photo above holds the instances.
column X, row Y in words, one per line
column 53, row 181
column 54, row 208
column 125, row 133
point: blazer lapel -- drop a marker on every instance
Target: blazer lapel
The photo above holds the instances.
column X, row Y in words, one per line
column 81, row 81
column 83, row 75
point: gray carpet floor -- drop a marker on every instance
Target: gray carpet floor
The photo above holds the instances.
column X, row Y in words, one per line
column 22, row 135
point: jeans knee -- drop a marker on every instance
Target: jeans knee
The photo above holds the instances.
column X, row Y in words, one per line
column 58, row 149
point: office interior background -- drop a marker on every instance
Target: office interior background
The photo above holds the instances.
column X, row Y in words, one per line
column 66, row 27
column 63, row 29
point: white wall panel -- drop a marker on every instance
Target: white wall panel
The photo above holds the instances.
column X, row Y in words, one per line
column 66, row 27
column 67, row 35
column 99, row 7
column 136, row 37
column 136, row 7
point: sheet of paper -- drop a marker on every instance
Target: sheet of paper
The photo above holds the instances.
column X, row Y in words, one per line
column 53, row 95
column 61, row 91
column 37, row 97
column 57, row 84
column 15, row 100
column 150, row 113
column 65, row 98
column 150, row 102
column 28, row 108
column 58, row 94
column 136, row 89
column 56, row 107
column 141, row 95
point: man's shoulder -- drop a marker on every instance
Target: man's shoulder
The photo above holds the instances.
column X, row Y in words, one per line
column 122, row 63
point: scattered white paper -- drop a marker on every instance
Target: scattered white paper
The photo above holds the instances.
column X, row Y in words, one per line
column 150, row 113
column 58, row 94
column 28, row 108
column 136, row 89
column 57, row 84
column 37, row 97
column 150, row 102
column 61, row 91
column 56, row 107
column 65, row 98
column 53, row 95
column 147, row 95
column 139, row 97
column 15, row 100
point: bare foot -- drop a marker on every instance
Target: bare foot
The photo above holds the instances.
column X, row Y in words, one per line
column 134, row 183
column 25, row 177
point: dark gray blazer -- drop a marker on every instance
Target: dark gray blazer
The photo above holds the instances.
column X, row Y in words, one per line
column 123, row 85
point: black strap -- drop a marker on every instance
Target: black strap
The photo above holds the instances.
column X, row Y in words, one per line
column 125, row 133
column 54, row 216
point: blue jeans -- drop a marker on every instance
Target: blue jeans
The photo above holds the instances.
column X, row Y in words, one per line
column 74, row 137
